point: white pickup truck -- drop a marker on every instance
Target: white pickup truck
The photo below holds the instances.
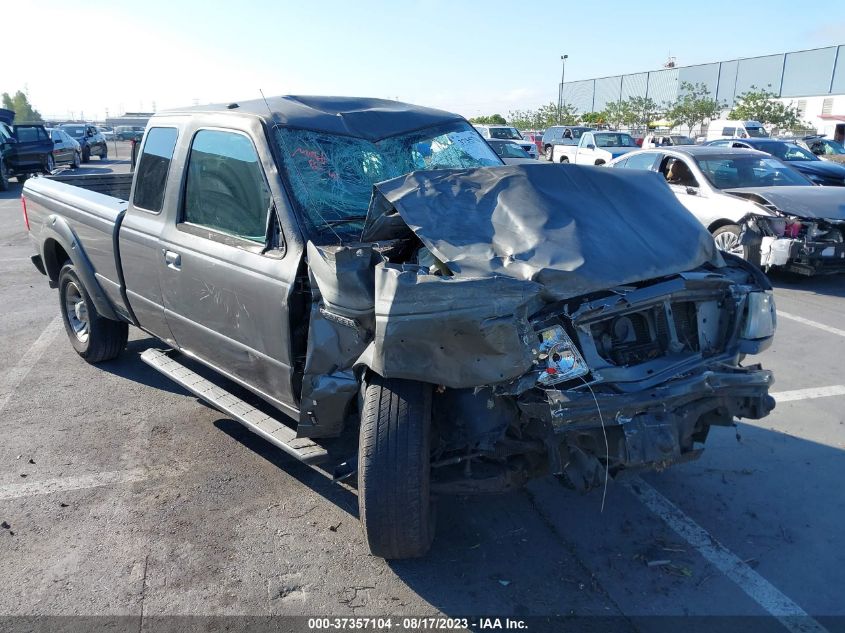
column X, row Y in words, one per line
column 595, row 148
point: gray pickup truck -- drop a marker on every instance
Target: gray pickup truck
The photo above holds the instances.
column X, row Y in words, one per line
column 408, row 313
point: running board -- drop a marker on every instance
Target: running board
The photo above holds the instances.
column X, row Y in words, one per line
column 256, row 421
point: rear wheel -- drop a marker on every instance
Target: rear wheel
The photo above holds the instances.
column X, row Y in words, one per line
column 564, row 159
column 49, row 164
column 94, row 337
column 4, row 177
column 549, row 153
column 394, row 468
column 77, row 159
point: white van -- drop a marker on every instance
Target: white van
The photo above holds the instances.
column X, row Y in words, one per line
column 727, row 128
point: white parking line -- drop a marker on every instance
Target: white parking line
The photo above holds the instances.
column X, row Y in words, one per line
column 790, row 615
column 63, row 484
column 28, row 360
column 811, row 392
column 815, row 324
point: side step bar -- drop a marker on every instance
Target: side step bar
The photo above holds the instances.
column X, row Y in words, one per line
column 256, row 421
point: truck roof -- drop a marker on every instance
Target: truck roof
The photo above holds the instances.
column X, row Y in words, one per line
column 372, row 119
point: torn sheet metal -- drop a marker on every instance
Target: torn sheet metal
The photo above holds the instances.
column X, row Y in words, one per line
column 574, row 230
column 457, row 332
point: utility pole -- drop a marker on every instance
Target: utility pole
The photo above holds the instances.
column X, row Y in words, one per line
column 563, row 59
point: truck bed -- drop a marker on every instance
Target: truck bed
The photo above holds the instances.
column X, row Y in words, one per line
column 114, row 185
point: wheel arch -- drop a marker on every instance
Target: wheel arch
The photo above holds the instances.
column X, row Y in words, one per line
column 59, row 244
column 718, row 224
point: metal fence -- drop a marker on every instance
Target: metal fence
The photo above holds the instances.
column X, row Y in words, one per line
column 820, row 71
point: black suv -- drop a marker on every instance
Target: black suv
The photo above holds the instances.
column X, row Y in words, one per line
column 562, row 135
column 24, row 149
column 91, row 140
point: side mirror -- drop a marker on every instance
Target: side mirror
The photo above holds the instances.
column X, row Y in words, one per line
column 12, row 140
column 590, row 146
column 692, row 191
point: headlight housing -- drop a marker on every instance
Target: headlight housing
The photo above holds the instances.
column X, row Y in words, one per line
column 761, row 316
column 558, row 358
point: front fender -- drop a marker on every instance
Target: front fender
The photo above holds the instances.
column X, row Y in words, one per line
column 56, row 229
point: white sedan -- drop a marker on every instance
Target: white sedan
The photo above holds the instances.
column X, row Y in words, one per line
column 754, row 205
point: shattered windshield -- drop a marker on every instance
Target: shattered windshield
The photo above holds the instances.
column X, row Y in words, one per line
column 332, row 176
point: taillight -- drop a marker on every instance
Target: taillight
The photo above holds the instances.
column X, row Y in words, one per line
column 25, row 216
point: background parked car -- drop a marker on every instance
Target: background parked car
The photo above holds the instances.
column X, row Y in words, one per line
column 754, row 205
column 536, row 138
column 729, row 128
column 91, row 140
column 511, row 153
column 128, row 132
column 66, row 150
column 821, row 172
column 562, row 135
column 507, row 133
column 107, row 132
column 594, row 148
column 24, row 149
column 824, row 148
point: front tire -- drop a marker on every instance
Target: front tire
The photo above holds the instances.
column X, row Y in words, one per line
column 105, row 154
column 94, row 337
column 394, row 501
column 564, row 159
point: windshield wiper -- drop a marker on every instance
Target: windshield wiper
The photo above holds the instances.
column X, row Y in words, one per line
column 340, row 221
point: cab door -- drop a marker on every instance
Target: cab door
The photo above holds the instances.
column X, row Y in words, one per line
column 225, row 282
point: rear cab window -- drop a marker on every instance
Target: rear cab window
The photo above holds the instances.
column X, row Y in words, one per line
column 153, row 167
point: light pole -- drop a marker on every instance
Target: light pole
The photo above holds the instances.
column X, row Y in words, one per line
column 563, row 59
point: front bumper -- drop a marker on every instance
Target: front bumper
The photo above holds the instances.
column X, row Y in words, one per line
column 816, row 258
column 647, row 429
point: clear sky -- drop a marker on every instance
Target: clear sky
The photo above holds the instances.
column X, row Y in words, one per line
column 86, row 56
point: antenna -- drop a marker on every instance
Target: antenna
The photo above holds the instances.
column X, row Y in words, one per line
column 265, row 103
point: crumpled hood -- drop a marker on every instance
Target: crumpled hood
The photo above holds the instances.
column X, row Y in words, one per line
column 572, row 229
column 824, row 203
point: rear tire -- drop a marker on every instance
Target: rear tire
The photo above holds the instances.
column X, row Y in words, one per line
column 4, row 177
column 550, row 153
column 94, row 337
column 564, row 159
column 49, row 164
column 77, row 160
column 394, row 467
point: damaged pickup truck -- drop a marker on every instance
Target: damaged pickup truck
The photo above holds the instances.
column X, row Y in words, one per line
column 371, row 270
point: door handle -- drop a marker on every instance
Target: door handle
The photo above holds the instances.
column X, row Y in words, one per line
column 173, row 260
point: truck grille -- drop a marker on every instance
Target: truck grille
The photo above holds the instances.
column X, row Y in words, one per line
column 637, row 337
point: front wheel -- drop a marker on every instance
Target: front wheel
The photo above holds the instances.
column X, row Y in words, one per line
column 728, row 238
column 564, row 159
column 394, row 502
column 94, row 337
column 105, row 154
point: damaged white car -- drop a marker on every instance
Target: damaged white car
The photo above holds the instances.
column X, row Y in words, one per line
column 754, row 205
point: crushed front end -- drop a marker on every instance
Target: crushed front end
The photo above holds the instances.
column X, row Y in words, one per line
column 628, row 379
column 805, row 247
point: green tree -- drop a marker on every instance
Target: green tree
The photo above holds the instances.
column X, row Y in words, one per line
column 616, row 113
column 19, row 104
column 640, row 111
column 762, row 105
column 694, row 106
column 543, row 117
column 490, row 119
column 594, row 118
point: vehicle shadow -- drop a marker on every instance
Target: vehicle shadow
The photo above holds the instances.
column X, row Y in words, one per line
column 828, row 285
column 129, row 366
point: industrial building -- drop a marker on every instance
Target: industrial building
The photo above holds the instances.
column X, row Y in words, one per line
column 811, row 80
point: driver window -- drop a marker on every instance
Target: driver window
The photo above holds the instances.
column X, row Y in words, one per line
column 225, row 188
column 678, row 173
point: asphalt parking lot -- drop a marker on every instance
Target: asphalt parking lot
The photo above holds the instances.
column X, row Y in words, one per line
column 120, row 494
